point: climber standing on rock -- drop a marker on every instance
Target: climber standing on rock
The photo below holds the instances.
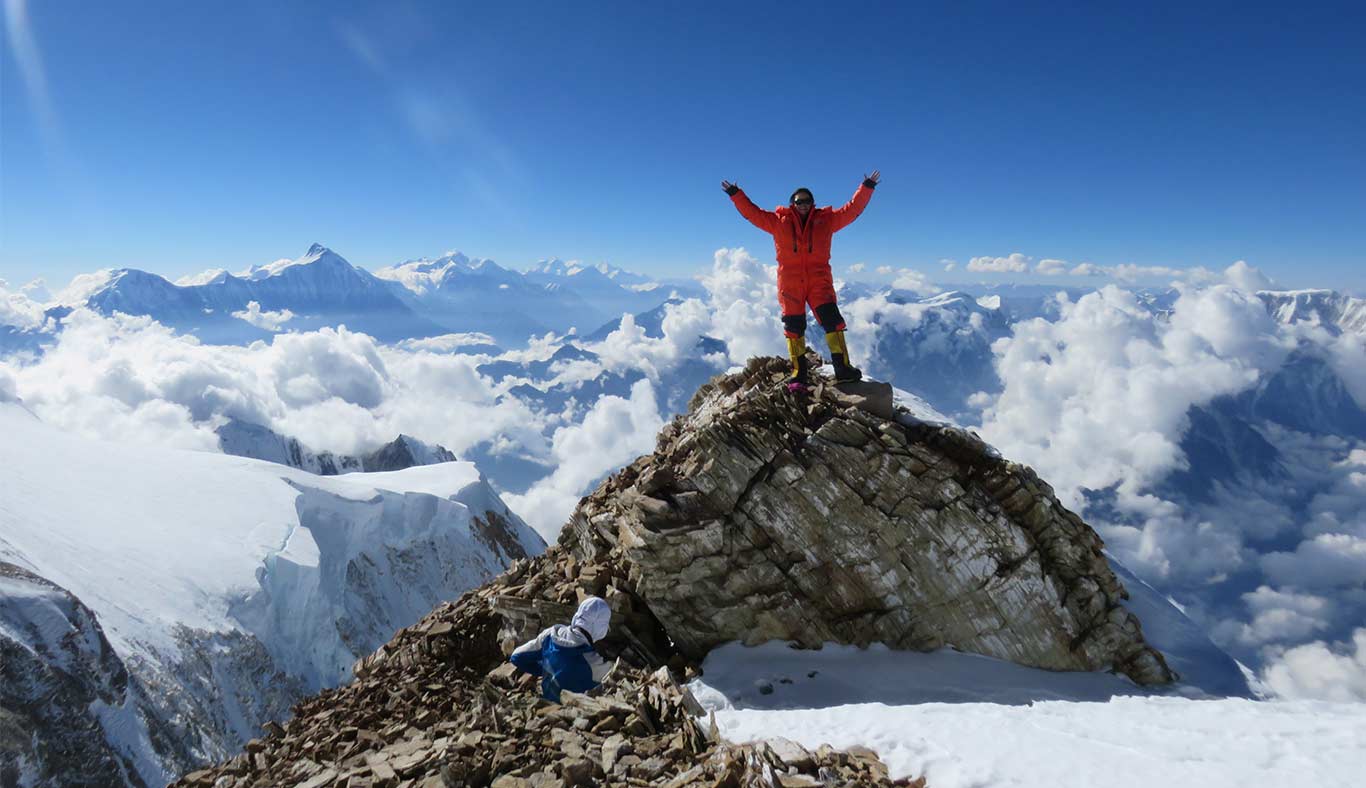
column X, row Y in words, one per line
column 801, row 236
column 564, row 656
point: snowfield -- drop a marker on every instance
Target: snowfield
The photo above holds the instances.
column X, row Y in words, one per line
column 229, row 588
column 965, row 721
column 149, row 538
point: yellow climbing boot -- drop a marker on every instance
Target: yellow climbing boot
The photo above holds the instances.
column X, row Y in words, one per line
column 801, row 368
column 839, row 358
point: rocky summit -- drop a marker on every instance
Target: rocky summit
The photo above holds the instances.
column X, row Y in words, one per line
column 828, row 515
column 834, row 516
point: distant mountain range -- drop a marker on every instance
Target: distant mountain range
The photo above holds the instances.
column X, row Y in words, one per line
column 415, row 299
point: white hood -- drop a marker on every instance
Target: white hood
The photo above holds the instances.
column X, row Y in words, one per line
column 593, row 616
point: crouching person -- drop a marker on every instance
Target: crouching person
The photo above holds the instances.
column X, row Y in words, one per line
column 564, row 656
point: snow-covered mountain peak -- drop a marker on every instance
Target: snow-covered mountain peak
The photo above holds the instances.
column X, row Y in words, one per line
column 317, row 254
column 552, row 267
column 131, row 282
column 424, row 453
column 1328, row 307
column 579, row 272
column 571, row 269
column 424, row 275
column 430, row 264
column 212, row 276
column 958, row 300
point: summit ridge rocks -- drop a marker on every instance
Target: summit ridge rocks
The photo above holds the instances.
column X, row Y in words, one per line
column 763, row 516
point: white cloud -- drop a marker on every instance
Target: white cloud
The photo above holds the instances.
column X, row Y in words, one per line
column 449, row 343
column 1325, row 561
column 742, row 296
column 1284, row 615
column 1245, row 277
column 1051, row 267
column 857, row 268
column 614, row 433
column 18, row 310
column 885, row 270
column 1099, row 398
column 628, row 348
column 1015, row 263
column 916, row 282
column 9, row 392
column 1315, row 671
column 201, row 278
column 1099, row 401
column 37, row 291
column 83, row 286
column 270, row 321
column 130, row 379
column 1239, row 275
column 948, row 264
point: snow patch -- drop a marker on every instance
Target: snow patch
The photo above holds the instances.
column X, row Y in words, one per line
column 965, row 721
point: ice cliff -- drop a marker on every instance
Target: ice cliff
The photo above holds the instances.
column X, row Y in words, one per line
column 157, row 606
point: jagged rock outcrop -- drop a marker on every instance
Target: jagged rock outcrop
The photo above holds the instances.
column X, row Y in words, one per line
column 439, row 706
column 827, row 517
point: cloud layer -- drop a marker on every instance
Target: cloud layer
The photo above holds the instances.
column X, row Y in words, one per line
column 1097, row 397
column 1099, row 401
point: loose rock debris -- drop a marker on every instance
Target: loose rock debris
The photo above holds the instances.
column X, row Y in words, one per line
column 438, row 706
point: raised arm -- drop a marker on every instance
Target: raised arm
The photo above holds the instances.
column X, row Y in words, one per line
column 845, row 214
column 764, row 220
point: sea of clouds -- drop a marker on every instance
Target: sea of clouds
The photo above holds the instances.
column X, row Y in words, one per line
column 1095, row 399
column 1098, row 400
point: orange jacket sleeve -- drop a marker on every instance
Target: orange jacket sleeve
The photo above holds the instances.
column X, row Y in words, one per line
column 764, row 220
column 844, row 215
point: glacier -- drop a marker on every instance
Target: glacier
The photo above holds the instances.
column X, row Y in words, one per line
column 202, row 594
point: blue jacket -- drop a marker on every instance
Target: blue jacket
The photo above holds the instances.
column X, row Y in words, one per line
column 563, row 656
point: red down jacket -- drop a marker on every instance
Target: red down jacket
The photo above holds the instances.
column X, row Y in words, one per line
column 803, row 248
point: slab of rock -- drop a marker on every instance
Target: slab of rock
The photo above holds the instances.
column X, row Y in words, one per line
column 767, row 515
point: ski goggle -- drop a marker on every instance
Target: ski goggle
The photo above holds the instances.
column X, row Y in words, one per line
column 803, row 201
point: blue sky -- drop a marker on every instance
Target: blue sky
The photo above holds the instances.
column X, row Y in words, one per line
column 177, row 136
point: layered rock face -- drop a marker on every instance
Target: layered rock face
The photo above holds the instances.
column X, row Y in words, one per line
column 829, row 517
